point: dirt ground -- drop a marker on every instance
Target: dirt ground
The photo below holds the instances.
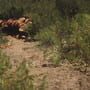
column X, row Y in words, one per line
column 64, row 77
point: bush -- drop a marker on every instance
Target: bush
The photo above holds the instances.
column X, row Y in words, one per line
column 4, row 66
column 12, row 12
column 67, row 8
column 77, row 44
column 82, row 35
column 72, row 37
column 48, row 36
column 4, row 63
column 21, row 79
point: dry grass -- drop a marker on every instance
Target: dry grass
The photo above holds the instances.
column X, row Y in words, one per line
column 28, row 72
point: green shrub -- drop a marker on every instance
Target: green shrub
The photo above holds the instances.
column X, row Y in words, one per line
column 68, row 8
column 77, row 43
column 48, row 36
column 21, row 79
column 3, row 40
column 83, row 35
column 4, row 62
column 4, row 66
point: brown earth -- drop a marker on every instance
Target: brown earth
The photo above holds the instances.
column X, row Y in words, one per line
column 64, row 77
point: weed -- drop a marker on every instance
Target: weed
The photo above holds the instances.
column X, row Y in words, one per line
column 43, row 84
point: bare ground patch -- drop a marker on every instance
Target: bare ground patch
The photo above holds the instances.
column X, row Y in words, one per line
column 64, row 77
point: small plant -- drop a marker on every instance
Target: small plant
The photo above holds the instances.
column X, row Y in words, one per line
column 53, row 56
column 43, row 84
column 4, row 63
column 77, row 43
column 48, row 36
column 4, row 66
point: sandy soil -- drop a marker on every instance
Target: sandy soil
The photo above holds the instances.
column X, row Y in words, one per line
column 64, row 77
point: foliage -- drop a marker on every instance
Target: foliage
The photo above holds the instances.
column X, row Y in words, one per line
column 62, row 23
column 48, row 36
column 77, row 44
column 4, row 62
column 21, row 79
column 82, row 36
column 4, row 66
column 69, row 8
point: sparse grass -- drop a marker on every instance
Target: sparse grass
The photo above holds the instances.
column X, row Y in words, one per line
column 78, row 43
column 43, row 84
column 20, row 79
column 26, row 48
column 48, row 36
column 53, row 56
column 67, row 40
column 4, row 66
column 4, row 62
column 71, row 40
